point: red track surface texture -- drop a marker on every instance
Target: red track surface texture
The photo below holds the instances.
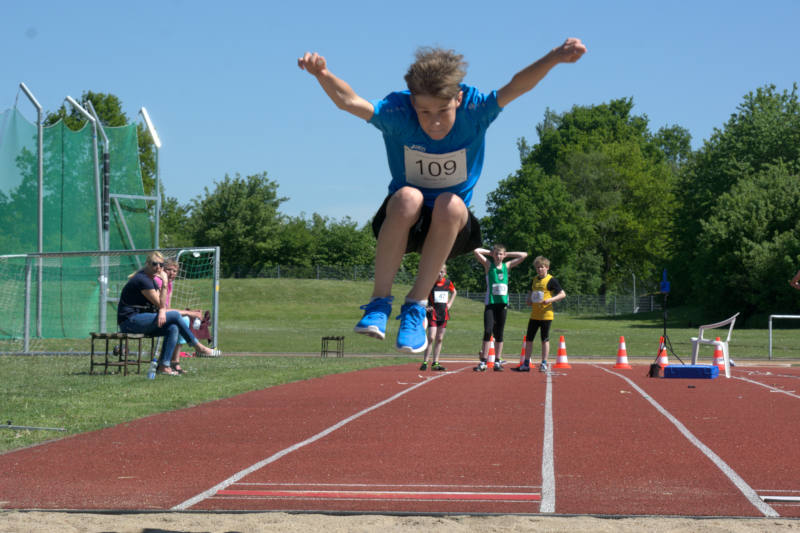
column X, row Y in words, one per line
column 586, row 440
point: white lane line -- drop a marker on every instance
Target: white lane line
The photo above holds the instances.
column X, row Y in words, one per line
column 770, row 387
column 548, row 504
column 271, row 459
column 740, row 483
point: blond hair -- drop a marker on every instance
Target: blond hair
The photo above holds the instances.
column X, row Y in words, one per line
column 436, row 72
column 155, row 255
column 541, row 261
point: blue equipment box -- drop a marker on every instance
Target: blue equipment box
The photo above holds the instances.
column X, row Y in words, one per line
column 691, row 371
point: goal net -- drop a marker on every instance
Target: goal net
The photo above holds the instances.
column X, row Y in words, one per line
column 50, row 302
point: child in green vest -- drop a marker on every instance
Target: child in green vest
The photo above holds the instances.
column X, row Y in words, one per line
column 494, row 314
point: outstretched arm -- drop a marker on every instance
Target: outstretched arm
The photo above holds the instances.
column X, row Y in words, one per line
column 337, row 89
column 526, row 79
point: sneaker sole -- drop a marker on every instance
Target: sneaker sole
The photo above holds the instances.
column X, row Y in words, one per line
column 410, row 349
column 370, row 331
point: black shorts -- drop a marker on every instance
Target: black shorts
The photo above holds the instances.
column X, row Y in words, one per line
column 467, row 239
column 534, row 326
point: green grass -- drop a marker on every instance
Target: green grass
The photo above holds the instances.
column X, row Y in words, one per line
column 280, row 316
column 290, row 316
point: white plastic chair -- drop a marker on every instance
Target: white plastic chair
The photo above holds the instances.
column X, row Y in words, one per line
column 723, row 344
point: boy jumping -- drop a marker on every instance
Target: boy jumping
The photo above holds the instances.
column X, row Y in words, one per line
column 434, row 134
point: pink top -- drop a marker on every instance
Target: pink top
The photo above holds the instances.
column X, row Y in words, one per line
column 169, row 290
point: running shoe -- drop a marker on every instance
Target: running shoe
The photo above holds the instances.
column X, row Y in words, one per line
column 498, row 367
column 424, row 366
column 543, row 366
column 411, row 337
column 437, row 367
column 376, row 313
column 524, row 367
column 481, row 367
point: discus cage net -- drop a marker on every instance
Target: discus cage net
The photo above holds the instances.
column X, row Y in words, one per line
column 75, row 223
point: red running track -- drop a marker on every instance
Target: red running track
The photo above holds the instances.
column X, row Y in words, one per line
column 585, row 440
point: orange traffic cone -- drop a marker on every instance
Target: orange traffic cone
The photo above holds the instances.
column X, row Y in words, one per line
column 522, row 352
column 490, row 357
column 662, row 360
column 719, row 357
column 561, row 356
column 622, row 355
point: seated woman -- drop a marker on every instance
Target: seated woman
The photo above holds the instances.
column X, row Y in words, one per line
column 143, row 309
column 171, row 268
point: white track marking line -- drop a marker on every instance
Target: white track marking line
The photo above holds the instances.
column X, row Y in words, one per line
column 548, row 502
column 271, row 459
column 770, row 387
column 740, row 483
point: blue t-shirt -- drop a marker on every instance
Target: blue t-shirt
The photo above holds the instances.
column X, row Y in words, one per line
column 452, row 164
column 131, row 300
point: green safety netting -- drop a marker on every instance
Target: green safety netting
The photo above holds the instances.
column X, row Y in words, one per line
column 69, row 193
column 71, row 289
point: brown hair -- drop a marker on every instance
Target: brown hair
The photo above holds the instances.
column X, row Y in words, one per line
column 436, row 72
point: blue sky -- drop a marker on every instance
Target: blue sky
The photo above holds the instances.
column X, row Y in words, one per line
column 221, row 83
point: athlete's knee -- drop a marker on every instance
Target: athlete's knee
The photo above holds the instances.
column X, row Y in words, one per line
column 406, row 202
column 449, row 207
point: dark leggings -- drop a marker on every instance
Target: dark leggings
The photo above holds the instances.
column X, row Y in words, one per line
column 494, row 322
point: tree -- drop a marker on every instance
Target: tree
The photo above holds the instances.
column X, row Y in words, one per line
column 750, row 245
column 594, row 196
column 764, row 131
column 241, row 217
column 533, row 212
column 175, row 225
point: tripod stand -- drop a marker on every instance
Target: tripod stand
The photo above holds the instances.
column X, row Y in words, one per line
column 667, row 344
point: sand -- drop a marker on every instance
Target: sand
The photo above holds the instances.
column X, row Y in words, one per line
column 66, row 522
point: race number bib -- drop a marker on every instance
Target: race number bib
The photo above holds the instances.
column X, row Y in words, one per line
column 440, row 297
column 537, row 297
column 499, row 289
column 435, row 171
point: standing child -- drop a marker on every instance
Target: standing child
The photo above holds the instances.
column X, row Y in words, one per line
column 440, row 300
column 545, row 290
column 434, row 134
column 496, row 300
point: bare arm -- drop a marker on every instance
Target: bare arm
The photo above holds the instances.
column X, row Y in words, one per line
column 157, row 298
column 452, row 298
column 526, row 79
column 337, row 89
column 516, row 258
column 560, row 296
column 480, row 254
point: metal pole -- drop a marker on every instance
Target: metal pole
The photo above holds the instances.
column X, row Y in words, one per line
column 40, row 157
column 26, row 335
column 157, row 192
column 770, row 337
column 101, row 301
column 215, row 313
column 105, row 214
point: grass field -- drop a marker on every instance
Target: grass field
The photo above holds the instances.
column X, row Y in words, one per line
column 287, row 316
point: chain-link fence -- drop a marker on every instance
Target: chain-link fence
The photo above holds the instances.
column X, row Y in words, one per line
column 576, row 304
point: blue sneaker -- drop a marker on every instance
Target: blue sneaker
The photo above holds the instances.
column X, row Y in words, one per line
column 376, row 313
column 411, row 337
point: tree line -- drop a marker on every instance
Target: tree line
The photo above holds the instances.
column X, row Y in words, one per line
column 606, row 199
